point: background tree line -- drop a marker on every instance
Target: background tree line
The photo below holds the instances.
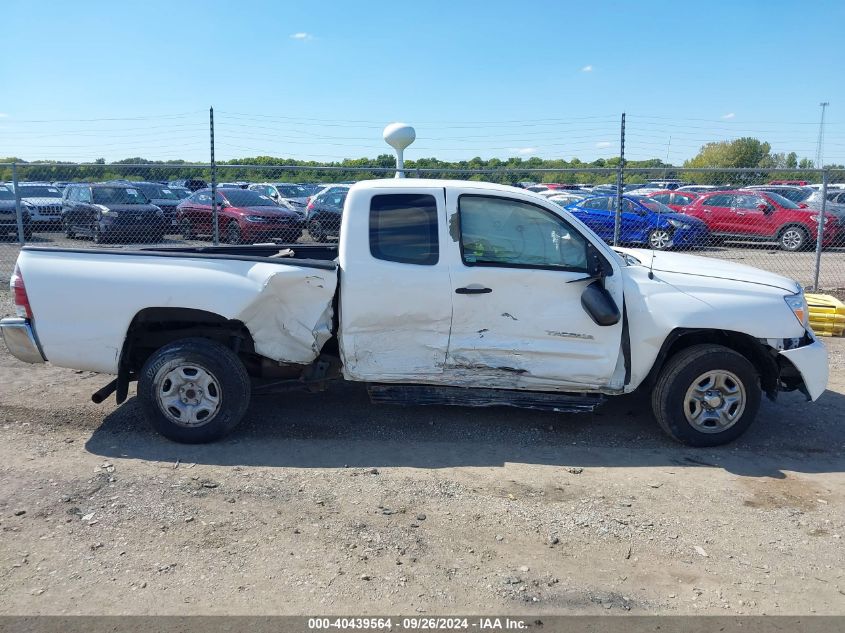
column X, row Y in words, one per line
column 743, row 152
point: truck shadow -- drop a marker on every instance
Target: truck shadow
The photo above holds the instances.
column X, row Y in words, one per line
column 340, row 428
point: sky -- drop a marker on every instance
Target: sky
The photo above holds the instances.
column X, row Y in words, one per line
column 319, row 80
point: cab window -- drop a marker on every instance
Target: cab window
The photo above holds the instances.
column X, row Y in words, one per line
column 403, row 228
column 510, row 233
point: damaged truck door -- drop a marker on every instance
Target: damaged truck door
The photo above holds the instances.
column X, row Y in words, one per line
column 527, row 328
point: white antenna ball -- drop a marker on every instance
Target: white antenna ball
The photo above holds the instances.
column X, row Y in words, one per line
column 399, row 135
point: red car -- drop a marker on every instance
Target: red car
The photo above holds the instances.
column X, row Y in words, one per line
column 244, row 217
column 675, row 200
column 761, row 216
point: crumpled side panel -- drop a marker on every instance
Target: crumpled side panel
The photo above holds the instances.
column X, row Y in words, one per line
column 291, row 318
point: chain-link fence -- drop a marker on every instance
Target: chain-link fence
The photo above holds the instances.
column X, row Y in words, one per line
column 787, row 222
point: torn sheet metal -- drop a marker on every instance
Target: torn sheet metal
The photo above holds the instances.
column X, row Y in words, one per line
column 291, row 318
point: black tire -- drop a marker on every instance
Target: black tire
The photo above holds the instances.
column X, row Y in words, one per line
column 228, row 373
column 793, row 239
column 186, row 228
column 69, row 232
column 27, row 233
column 96, row 235
column 315, row 230
column 663, row 237
column 681, row 372
column 233, row 234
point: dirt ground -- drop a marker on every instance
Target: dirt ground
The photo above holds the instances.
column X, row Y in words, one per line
column 326, row 504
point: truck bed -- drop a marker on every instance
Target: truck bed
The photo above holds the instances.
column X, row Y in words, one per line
column 85, row 299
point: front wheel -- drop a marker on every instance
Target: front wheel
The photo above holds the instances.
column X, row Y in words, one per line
column 659, row 239
column 706, row 395
column 186, row 229
column 794, row 238
column 233, row 234
column 194, row 390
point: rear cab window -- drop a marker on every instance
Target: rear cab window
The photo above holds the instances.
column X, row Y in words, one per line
column 403, row 229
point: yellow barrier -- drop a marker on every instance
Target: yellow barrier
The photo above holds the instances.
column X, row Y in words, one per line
column 827, row 315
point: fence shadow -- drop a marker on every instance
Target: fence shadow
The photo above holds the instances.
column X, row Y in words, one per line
column 340, row 428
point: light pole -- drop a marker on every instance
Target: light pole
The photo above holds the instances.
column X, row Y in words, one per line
column 819, row 164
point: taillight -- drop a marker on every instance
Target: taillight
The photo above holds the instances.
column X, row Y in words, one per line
column 310, row 205
column 22, row 307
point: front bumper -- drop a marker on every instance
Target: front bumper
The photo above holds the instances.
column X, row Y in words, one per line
column 21, row 340
column 811, row 362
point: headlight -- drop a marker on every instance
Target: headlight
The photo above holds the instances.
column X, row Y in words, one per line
column 816, row 218
column 105, row 210
column 257, row 218
column 798, row 304
column 677, row 223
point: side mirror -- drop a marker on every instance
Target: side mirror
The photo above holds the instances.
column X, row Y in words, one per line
column 803, row 205
column 598, row 303
column 764, row 208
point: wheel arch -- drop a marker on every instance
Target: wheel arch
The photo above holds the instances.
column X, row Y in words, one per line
column 761, row 356
column 153, row 328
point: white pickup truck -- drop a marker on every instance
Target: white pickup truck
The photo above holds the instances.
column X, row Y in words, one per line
column 439, row 292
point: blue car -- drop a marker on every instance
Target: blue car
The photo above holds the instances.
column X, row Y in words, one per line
column 645, row 222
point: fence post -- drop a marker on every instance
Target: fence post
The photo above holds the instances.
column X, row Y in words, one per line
column 215, row 219
column 820, row 234
column 18, row 209
column 620, row 183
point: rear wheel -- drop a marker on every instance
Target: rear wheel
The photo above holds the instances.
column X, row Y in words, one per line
column 69, row 232
column 316, row 230
column 194, row 390
column 706, row 395
column 794, row 238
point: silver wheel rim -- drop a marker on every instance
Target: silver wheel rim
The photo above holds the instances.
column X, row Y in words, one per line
column 234, row 234
column 715, row 401
column 792, row 238
column 316, row 229
column 659, row 239
column 187, row 394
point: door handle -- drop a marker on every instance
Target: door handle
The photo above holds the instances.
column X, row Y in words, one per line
column 473, row 290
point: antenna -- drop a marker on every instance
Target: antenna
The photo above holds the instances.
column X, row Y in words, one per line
column 399, row 136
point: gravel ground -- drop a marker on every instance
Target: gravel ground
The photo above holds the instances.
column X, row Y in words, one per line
column 327, row 504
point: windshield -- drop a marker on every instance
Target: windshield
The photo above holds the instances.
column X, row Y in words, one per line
column 40, row 191
column 247, row 198
column 292, row 191
column 780, row 200
column 158, row 191
column 6, row 193
column 654, row 206
column 180, row 192
column 310, row 190
column 118, row 195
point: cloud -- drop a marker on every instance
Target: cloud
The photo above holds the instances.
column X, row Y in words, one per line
column 729, row 115
column 522, row 151
column 603, row 144
column 587, row 69
column 3, row 115
column 301, row 36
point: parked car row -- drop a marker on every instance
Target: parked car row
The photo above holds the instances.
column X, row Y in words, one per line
column 678, row 215
column 699, row 215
